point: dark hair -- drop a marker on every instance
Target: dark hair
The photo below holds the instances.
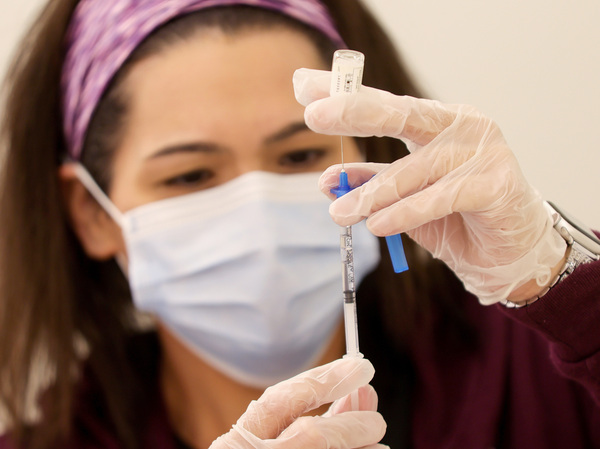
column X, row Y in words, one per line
column 53, row 296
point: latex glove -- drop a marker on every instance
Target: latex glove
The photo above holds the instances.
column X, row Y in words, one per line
column 275, row 420
column 460, row 193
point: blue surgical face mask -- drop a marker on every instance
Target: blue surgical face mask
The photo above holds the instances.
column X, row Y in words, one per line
column 246, row 274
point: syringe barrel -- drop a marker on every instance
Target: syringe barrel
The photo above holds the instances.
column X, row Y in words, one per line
column 347, row 71
column 351, row 330
column 347, row 253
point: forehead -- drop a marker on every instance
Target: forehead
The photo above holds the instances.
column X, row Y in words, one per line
column 213, row 84
column 231, row 68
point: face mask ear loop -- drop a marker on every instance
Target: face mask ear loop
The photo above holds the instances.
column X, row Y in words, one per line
column 94, row 189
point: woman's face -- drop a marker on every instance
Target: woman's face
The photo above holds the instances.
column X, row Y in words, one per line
column 202, row 112
column 213, row 107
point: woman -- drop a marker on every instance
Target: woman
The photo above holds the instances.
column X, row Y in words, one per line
column 180, row 117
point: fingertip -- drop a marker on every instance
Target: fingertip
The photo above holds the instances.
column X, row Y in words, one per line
column 365, row 366
column 329, row 179
column 310, row 85
column 342, row 211
column 374, row 225
column 331, row 171
column 356, row 371
column 368, row 398
column 367, row 401
column 338, row 219
column 381, row 224
column 299, row 83
column 318, row 120
column 351, row 365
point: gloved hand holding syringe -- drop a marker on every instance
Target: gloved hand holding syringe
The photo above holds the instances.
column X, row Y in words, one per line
column 347, row 70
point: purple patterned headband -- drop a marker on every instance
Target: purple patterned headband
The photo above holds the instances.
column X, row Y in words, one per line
column 104, row 33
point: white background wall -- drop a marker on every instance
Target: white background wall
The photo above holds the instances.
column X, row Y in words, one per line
column 531, row 65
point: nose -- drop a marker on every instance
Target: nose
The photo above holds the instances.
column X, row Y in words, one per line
column 241, row 166
column 251, row 161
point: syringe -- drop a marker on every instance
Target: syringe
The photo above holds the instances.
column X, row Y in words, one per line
column 347, row 72
column 348, row 284
column 347, row 69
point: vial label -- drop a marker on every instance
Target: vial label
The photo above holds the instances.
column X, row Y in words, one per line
column 347, row 71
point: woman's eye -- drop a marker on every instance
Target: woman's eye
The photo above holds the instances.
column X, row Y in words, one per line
column 301, row 158
column 192, row 178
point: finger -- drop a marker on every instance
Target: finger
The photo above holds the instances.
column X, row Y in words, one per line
column 281, row 404
column 373, row 112
column 392, row 183
column 346, row 430
column 477, row 184
column 426, row 118
column 311, row 85
column 412, row 212
column 437, row 201
column 367, row 400
column 358, row 174
column 416, row 172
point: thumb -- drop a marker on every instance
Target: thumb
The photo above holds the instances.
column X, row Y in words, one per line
column 283, row 403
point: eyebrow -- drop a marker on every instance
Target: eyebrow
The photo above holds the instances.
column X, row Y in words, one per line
column 208, row 147
column 287, row 132
column 190, row 147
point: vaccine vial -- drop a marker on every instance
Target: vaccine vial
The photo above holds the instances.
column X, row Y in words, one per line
column 347, row 72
